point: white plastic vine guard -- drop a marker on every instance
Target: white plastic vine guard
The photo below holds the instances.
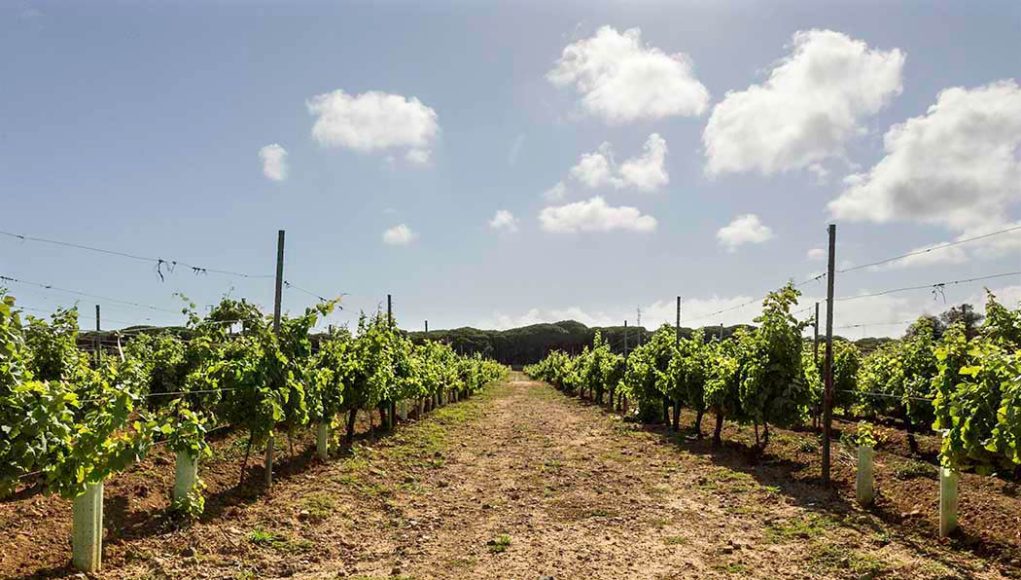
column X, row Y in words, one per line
column 864, row 481
column 87, row 529
column 187, row 475
column 947, row 501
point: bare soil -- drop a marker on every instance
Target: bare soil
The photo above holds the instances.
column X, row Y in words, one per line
column 524, row 482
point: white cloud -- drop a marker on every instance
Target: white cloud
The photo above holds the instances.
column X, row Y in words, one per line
column 556, row 193
column 813, row 102
column 956, row 166
column 645, row 172
column 274, row 162
column 419, row 157
column 504, row 221
column 979, row 248
column 399, row 235
column 595, row 169
column 621, row 80
column 744, row 229
column 594, row 215
column 816, row 254
column 374, row 121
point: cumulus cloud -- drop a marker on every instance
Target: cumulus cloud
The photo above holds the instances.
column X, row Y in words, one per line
column 816, row 254
column 375, row 121
column 504, row 221
column 595, row 169
column 744, row 229
column 594, row 215
column 645, row 172
column 956, row 166
column 399, row 235
column 621, row 80
column 274, row 162
column 813, row 102
column 556, row 193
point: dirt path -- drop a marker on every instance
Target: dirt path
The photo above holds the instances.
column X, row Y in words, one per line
column 523, row 482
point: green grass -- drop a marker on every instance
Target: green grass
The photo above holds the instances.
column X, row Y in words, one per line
column 278, row 541
column 499, row 544
column 319, row 506
column 915, row 470
column 676, row 541
column 828, row 557
column 802, row 528
column 261, row 537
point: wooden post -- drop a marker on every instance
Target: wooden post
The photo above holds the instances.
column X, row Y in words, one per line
column 427, row 328
column 187, row 472
column 389, row 311
column 947, row 501
column 827, row 405
column 677, row 323
column 625, row 339
column 87, row 529
column 864, row 481
column 98, row 342
column 271, row 443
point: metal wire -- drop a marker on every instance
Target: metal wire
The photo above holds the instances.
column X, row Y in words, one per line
column 934, row 286
column 940, row 246
column 159, row 262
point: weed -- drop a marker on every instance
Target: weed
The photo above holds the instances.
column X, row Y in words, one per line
column 499, row 544
column 261, row 537
column 914, row 470
column 281, row 542
column 798, row 528
column 319, row 506
column 676, row 540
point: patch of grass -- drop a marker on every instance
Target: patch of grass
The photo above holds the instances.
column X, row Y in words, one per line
column 552, row 465
column 915, row 470
column 658, row 489
column 319, row 506
column 278, row 541
column 462, row 563
column 602, row 512
column 676, row 541
column 659, row 523
column 261, row 537
column 802, row 528
column 499, row 544
column 730, row 568
column 808, row 446
column 827, row 557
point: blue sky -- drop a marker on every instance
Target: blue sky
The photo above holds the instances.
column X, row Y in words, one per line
column 138, row 126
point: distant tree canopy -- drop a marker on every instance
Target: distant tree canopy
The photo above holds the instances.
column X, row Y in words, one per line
column 530, row 344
